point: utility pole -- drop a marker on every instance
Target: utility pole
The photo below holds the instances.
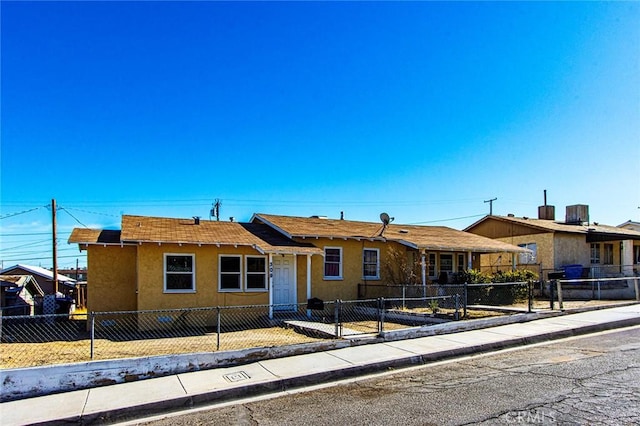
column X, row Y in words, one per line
column 490, row 205
column 55, row 246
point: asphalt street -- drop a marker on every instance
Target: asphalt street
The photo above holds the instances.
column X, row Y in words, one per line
column 594, row 379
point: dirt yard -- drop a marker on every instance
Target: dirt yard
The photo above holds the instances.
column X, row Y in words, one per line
column 17, row 355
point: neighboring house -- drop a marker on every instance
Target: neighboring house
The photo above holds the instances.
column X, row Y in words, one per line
column 44, row 277
column 576, row 246
column 161, row 263
column 20, row 295
column 630, row 246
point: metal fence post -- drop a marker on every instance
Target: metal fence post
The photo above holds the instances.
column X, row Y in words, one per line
column 92, row 325
column 530, row 295
column 218, row 328
column 466, row 300
column 635, row 284
column 337, row 318
column 404, row 295
column 456, row 315
column 552, row 283
column 559, row 294
column 381, row 316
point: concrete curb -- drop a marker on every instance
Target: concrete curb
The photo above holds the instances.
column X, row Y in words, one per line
column 300, row 381
column 21, row 383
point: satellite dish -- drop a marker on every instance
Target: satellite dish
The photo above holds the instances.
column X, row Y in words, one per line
column 385, row 218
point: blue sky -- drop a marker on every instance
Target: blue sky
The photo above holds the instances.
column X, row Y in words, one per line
column 423, row 110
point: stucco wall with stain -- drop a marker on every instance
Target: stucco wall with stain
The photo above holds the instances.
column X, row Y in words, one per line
column 111, row 283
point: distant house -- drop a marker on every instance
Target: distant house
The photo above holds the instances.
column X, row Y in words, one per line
column 44, row 278
column 78, row 274
column 20, row 295
column 161, row 263
column 585, row 249
column 630, row 246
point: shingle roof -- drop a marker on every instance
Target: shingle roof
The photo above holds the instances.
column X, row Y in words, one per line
column 141, row 229
column 420, row 237
column 591, row 229
column 94, row 236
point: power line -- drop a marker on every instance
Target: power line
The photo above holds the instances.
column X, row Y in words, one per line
column 90, row 212
column 31, row 234
column 448, row 220
column 75, row 218
column 43, row 258
column 19, row 213
column 27, row 245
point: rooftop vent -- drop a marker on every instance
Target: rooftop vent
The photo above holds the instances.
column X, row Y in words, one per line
column 577, row 214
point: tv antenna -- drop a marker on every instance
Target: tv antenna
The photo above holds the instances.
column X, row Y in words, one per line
column 215, row 210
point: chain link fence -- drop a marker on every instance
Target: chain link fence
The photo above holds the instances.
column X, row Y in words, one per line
column 32, row 340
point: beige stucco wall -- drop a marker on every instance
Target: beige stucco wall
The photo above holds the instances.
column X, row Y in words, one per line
column 345, row 288
column 571, row 249
column 151, row 293
column 111, row 281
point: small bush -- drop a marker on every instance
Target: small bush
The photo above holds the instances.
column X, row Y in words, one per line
column 497, row 295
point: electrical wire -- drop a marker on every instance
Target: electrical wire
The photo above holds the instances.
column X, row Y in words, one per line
column 6, row 216
column 74, row 218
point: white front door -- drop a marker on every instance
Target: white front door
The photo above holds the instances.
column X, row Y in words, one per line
column 284, row 286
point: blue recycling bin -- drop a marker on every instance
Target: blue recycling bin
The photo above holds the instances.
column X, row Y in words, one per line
column 573, row 272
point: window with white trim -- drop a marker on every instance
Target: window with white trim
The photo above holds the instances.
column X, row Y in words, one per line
column 526, row 258
column 230, row 272
column 256, row 273
column 371, row 264
column 179, row 273
column 595, row 253
column 333, row 263
column 446, row 262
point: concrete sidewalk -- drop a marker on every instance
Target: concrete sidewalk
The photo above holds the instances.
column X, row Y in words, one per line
column 153, row 396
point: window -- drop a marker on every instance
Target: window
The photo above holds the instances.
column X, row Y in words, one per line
column 371, row 263
column 230, row 273
column 432, row 265
column 256, row 270
column 461, row 265
column 636, row 255
column 608, row 254
column 332, row 263
column 179, row 273
column 446, row 263
column 595, row 253
column 526, row 258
